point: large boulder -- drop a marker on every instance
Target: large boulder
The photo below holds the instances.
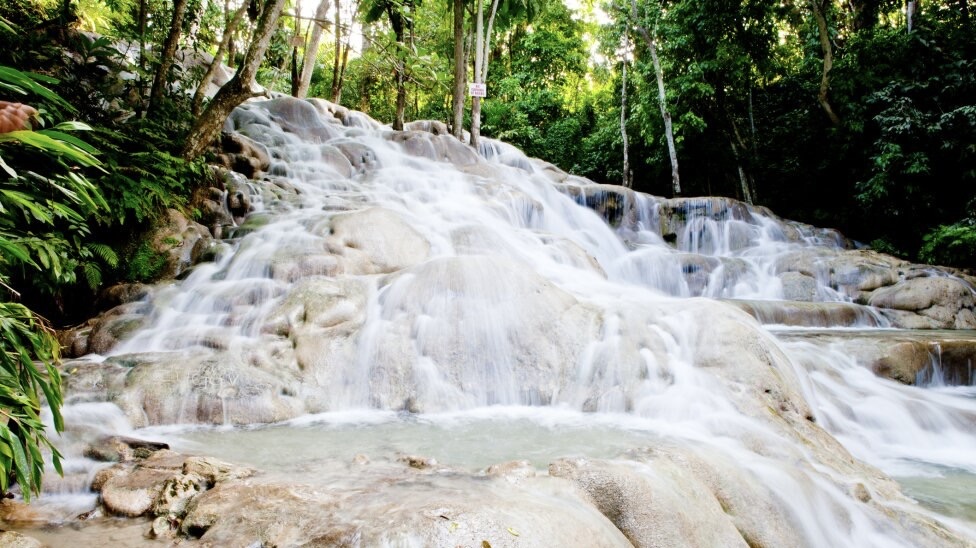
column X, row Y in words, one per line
column 180, row 242
column 243, row 155
column 386, row 504
column 948, row 302
column 375, row 241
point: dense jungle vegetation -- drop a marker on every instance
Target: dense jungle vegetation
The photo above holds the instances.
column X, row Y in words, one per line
column 855, row 114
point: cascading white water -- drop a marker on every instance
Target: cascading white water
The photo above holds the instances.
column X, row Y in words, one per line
column 397, row 272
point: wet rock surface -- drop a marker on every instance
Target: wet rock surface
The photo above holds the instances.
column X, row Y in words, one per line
column 350, row 289
column 666, row 496
column 943, row 357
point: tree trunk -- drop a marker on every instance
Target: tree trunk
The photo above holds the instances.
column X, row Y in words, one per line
column 312, row 50
column 828, row 60
column 337, row 33
column 745, row 185
column 623, row 123
column 367, row 80
column 398, row 21
column 143, row 20
column 339, row 66
column 168, row 56
column 459, row 72
column 218, row 58
column 295, row 38
column 482, row 46
column 232, row 45
column 401, row 96
column 666, row 115
column 337, row 84
column 910, row 9
column 662, row 101
column 238, row 89
column 478, row 59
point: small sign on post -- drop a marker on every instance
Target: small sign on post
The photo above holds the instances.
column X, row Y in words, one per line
column 478, row 90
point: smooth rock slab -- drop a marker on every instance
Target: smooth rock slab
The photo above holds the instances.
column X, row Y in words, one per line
column 399, row 508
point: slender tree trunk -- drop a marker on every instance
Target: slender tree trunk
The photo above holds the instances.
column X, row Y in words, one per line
column 623, row 123
column 666, row 116
column 238, row 89
column 911, row 8
column 744, row 181
column 482, row 47
column 459, row 72
column 141, row 80
column 828, row 59
column 336, row 59
column 143, row 19
column 337, row 88
column 232, row 45
column 401, row 94
column 312, row 49
column 218, row 58
column 398, row 21
column 168, row 56
column 478, row 59
column 339, row 67
column 295, row 39
column 662, row 100
column 367, row 80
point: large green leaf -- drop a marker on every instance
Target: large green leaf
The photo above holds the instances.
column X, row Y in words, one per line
column 44, row 141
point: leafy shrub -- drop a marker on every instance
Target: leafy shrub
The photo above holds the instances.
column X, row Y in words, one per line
column 45, row 204
column 22, row 340
column 953, row 244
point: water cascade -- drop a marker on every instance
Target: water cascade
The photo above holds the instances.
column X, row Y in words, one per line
column 418, row 345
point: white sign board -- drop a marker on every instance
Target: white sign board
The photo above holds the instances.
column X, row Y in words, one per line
column 478, row 90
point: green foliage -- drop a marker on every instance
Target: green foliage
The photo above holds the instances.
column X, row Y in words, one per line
column 45, row 204
column 23, row 339
column 145, row 264
column 953, row 244
column 143, row 181
column 45, row 201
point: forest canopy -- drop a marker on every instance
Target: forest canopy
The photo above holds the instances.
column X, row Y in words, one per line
column 855, row 114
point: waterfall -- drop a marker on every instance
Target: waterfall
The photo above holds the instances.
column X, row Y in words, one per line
column 397, row 292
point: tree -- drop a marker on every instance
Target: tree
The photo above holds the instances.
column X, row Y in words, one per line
column 400, row 15
column 512, row 11
column 167, row 57
column 238, row 89
column 662, row 97
column 623, row 114
column 341, row 57
column 222, row 49
column 481, row 49
column 460, row 71
column 312, row 47
column 819, row 13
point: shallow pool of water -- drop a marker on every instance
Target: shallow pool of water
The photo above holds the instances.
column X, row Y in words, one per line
column 471, row 441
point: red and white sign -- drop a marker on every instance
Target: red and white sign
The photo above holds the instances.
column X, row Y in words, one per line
column 478, row 90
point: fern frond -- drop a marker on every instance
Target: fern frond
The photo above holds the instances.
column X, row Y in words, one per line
column 93, row 274
column 105, row 253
